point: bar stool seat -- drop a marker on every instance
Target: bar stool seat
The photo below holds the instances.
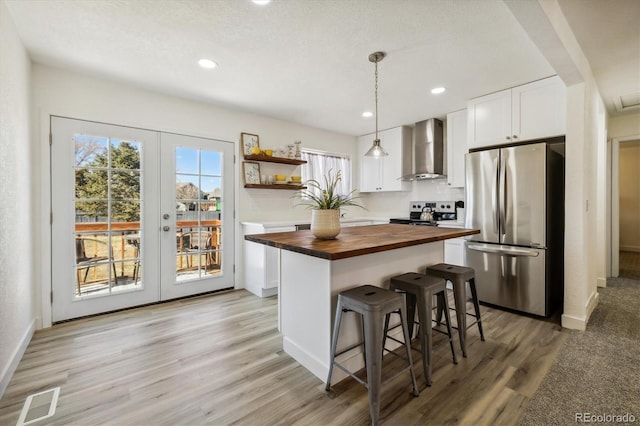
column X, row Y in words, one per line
column 374, row 304
column 458, row 276
column 420, row 289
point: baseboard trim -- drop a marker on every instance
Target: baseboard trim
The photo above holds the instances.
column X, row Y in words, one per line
column 601, row 282
column 16, row 356
column 573, row 323
column 268, row 292
column 635, row 249
column 592, row 303
column 310, row 362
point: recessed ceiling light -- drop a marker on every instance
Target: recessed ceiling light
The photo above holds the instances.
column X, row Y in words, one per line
column 207, row 63
column 438, row 90
column 367, row 114
column 261, row 2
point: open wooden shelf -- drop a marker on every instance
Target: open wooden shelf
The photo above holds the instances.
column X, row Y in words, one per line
column 274, row 186
column 280, row 160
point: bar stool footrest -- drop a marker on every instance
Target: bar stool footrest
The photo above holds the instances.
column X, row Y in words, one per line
column 358, row 379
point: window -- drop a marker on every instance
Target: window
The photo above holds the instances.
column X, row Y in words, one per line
column 319, row 163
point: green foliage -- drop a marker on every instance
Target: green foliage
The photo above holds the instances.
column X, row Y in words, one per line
column 325, row 197
column 119, row 181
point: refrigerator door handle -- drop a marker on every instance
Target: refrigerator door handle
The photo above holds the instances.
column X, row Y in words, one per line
column 502, row 185
column 494, row 195
column 503, row 250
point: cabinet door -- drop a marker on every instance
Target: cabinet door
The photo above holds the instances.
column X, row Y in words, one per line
column 384, row 173
column 454, row 251
column 262, row 263
column 272, row 261
column 370, row 167
column 456, row 147
column 489, row 120
column 538, row 109
column 397, row 142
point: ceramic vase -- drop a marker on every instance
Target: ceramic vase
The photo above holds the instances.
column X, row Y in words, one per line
column 325, row 224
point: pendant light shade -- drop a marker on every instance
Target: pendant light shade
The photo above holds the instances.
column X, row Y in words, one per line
column 376, row 150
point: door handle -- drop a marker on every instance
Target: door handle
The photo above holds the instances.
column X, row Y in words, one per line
column 507, row 251
column 502, row 185
column 166, row 228
column 494, row 195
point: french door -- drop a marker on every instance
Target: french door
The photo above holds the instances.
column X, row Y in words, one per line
column 138, row 216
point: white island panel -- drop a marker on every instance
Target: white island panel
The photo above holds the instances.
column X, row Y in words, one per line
column 308, row 297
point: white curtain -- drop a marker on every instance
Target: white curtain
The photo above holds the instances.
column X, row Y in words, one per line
column 319, row 164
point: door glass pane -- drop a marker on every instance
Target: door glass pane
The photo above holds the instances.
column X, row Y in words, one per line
column 107, row 215
column 198, row 202
column 186, row 160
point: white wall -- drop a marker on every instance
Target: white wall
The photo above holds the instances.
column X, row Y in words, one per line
column 624, row 125
column 80, row 96
column 585, row 242
column 576, row 292
column 69, row 94
column 17, row 235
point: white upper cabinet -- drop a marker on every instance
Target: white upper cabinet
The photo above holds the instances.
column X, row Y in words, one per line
column 531, row 111
column 384, row 173
column 456, row 147
column 539, row 109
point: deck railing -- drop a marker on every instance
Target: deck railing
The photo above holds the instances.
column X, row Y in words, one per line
column 127, row 249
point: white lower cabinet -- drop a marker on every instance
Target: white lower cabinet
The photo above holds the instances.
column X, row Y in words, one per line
column 454, row 251
column 262, row 263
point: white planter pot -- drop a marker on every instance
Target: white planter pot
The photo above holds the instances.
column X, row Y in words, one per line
column 325, row 224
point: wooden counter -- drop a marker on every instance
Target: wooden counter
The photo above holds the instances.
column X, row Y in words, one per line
column 359, row 240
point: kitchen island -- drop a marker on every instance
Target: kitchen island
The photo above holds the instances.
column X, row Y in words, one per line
column 313, row 272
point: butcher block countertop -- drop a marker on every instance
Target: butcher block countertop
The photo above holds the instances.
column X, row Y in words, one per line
column 359, row 240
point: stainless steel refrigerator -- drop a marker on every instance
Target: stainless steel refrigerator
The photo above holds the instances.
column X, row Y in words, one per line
column 515, row 196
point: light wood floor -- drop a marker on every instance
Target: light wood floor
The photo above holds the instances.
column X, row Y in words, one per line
column 218, row 360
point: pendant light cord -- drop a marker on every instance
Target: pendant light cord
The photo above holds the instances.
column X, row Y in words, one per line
column 376, row 91
column 376, row 150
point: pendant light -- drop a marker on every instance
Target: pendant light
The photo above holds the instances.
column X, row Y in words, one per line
column 376, row 150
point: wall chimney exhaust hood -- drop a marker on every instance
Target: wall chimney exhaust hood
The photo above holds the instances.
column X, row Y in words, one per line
column 428, row 150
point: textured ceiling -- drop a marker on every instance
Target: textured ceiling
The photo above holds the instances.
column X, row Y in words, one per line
column 303, row 61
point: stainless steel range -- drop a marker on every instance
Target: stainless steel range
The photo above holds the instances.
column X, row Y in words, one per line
column 436, row 212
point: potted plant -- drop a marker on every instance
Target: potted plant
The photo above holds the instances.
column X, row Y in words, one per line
column 326, row 203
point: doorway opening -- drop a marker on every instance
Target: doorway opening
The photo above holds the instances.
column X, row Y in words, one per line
column 625, row 191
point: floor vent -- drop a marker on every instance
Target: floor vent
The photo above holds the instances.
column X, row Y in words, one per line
column 39, row 406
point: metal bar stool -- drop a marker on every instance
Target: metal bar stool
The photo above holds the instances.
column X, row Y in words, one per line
column 422, row 288
column 374, row 304
column 459, row 275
